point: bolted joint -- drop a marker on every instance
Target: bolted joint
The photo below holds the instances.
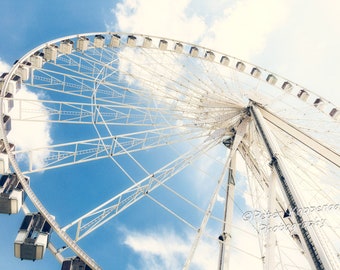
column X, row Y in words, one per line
column 228, row 142
column 224, row 236
column 273, row 162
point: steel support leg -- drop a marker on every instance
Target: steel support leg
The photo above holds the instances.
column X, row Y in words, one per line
column 225, row 237
column 311, row 245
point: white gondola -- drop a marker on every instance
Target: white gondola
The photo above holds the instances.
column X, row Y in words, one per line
column 115, row 41
column 8, row 102
column 2, row 79
column 319, row 103
column 82, row 43
column 209, row 55
column 74, row 263
column 7, row 123
column 36, row 60
column 271, row 79
column 179, row 47
column 224, row 60
column 335, row 113
column 163, row 44
column 303, row 95
column 4, row 163
column 99, row 41
column 13, row 85
column 32, row 238
column 240, row 66
column 66, row 46
column 287, row 86
column 24, row 71
column 131, row 41
column 147, row 42
column 255, row 72
column 12, row 194
column 193, row 51
column 4, row 159
column 51, row 52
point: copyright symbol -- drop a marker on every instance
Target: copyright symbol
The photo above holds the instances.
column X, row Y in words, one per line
column 247, row 215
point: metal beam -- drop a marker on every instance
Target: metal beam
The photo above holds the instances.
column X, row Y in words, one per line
column 297, row 134
column 225, row 237
column 313, row 249
column 114, row 206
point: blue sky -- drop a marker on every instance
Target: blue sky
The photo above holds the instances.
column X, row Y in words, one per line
column 28, row 24
column 299, row 41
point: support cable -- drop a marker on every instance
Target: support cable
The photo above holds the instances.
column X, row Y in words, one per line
column 278, row 165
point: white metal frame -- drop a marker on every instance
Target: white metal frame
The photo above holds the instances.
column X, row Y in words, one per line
column 99, row 113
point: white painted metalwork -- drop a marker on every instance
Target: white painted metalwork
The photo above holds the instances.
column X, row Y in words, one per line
column 319, row 260
column 155, row 107
column 108, row 210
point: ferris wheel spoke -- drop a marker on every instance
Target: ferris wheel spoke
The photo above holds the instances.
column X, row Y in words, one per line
column 240, row 132
column 59, row 82
column 108, row 210
column 87, row 64
column 180, row 79
column 271, row 250
column 321, row 149
column 262, row 179
column 104, row 80
column 188, row 86
column 206, row 217
column 76, row 87
column 83, row 113
column 73, row 84
column 292, row 149
column 56, row 156
column 66, row 154
column 52, row 111
column 320, row 194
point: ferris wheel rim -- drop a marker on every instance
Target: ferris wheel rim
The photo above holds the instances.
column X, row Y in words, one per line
column 206, row 49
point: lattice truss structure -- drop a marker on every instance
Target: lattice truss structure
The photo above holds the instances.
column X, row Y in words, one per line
column 146, row 116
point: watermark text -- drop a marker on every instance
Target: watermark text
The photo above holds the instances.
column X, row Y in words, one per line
column 257, row 214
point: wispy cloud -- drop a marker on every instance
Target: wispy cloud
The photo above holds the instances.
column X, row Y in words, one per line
column 165, row 249
column 162, row 18
column 244, row 28
column 240, row 29
column 4, row 67
column 306, row 48
column 25, row 134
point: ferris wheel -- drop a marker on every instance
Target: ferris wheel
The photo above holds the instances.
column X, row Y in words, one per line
column 144, row 132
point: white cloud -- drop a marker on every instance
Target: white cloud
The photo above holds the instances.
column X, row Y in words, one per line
column 4, row 67
column 240, row 29
column 157, row 250
column 305, row 48
column 220, row 198
column 244, row 28
column 30, row 135
column 161, row 18
column 25, row 134
column 164, row 249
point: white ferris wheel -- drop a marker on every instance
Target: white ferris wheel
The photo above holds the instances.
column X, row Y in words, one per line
column 151, row 133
